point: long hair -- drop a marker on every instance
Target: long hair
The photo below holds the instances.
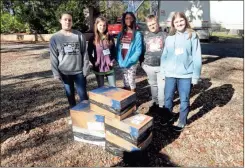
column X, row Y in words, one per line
column 98, row 35
column 187, row 24
column 124, row 26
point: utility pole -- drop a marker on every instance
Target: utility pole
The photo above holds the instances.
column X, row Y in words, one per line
column 154, row 7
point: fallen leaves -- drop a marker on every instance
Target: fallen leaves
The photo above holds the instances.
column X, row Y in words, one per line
column 34, row 107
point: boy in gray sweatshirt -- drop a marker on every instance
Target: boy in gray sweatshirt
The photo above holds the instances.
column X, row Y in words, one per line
column 69, row 59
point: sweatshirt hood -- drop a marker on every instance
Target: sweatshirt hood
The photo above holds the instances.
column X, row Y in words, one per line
column 180, row 33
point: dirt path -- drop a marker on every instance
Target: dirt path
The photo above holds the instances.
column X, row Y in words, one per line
column 34, row 131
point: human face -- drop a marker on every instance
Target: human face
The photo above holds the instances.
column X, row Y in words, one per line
column 179, row 24
column 153, row 26
column 66, row 22
column 129, row 20
column 101, row 26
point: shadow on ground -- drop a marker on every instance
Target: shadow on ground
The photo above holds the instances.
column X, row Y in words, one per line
column 24, row 47
column 40, row 75
column 26, row 103
column 209, row 99
column 202, row 86
column 24, row 100
column 164, row 135
column 151, row 156
column 224, row 47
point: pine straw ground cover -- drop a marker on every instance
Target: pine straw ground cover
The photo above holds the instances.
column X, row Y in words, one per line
column 34, row 131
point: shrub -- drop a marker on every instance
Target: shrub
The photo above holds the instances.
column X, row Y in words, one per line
column 11, row 24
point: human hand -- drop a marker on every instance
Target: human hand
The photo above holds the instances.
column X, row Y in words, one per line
column 90, row 66
column 57, row 78
column 194, row 81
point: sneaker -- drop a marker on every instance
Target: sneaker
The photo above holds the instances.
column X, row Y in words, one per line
column 153, row 108
column 179, row 127
column 154, row 105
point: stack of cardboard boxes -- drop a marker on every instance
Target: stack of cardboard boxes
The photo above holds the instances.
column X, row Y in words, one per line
column 112, row 110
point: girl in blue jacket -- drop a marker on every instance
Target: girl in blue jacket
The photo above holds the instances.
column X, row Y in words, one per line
column 129, row 49
column 181, row 64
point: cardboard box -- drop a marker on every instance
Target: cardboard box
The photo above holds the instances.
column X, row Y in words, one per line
column 82, row 116
column 111, row 109
column 98, row 143
column 109, row 114
column 133, row 129
column 116, row 145
column 87, row 126
column 112, row 97
column 114, row 149
column 89, row 136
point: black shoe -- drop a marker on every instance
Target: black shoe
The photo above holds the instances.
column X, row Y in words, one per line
column 166, row 118
column 154, row 107
column 179, row 127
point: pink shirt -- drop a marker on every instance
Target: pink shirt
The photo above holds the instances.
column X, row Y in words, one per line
column 126, row 39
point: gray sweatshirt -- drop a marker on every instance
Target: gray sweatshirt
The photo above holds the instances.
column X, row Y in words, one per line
column 153, row 47
column 68, row 54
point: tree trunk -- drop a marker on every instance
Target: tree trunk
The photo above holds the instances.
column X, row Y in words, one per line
column 91, row 19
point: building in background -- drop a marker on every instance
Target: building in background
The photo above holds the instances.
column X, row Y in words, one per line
column 226, row 14
column 205, row 16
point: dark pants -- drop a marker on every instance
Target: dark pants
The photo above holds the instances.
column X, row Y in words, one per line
column 110, row 78
column 80, row 82
column 184, row 88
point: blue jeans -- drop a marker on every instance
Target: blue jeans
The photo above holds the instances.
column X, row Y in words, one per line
column 184, row 87
column 80, row 81
column 110, row 78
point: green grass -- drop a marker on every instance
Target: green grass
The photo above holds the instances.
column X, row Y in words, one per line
column 225, row 35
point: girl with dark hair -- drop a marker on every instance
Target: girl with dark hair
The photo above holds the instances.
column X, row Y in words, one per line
column 101, row 51
column 181, row 64
column 129, row 49
column 69, row 59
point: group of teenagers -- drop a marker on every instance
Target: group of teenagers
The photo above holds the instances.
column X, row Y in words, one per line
column 172, row 61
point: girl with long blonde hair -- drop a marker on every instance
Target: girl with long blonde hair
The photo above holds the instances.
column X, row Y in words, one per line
column 181, row 64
